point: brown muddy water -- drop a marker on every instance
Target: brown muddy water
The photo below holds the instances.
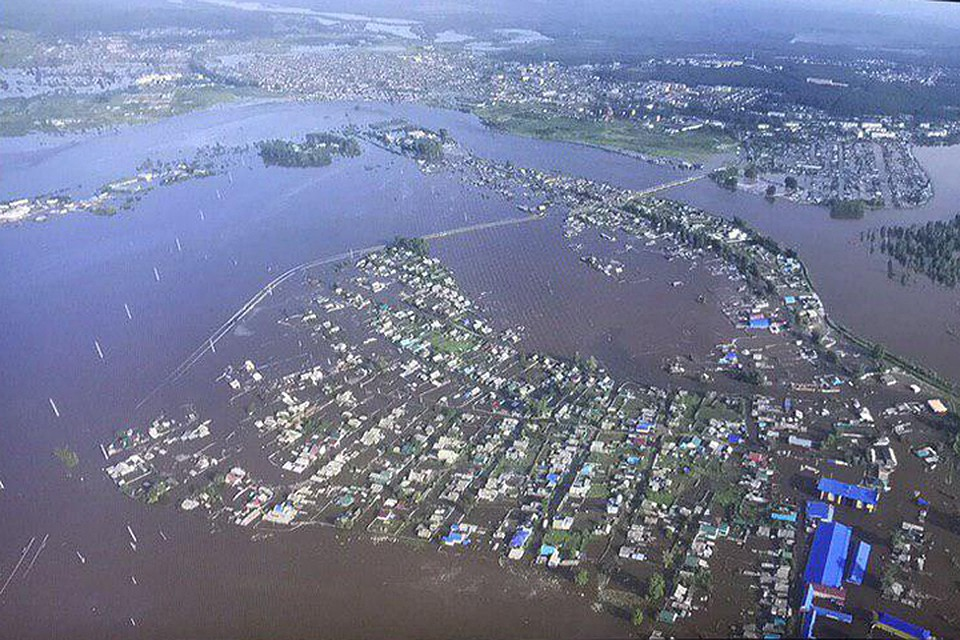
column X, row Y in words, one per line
column 919, row 321
column 65, row 284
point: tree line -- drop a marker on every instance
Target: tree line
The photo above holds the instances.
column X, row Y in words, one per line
column 932, row 249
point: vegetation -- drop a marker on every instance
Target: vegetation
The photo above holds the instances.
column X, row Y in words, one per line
column 157, row 491
column 422, row 144
column 418, row 246
column 847, row 209
column 693, row 146
column 790, row 183
column 569, row 542
column 317, row 150
column 726, row 177
column 932, row 249
column 637, row 617
column 67, row 456
column 862, row 94
column 583, row 578
column 429, row 149
column 729, row 497
column 442, row 343
column 656, row 588
column 57, row 113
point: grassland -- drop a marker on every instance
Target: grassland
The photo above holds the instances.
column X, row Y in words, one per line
column 60, row 113
column 446, row 345
column 693, row 146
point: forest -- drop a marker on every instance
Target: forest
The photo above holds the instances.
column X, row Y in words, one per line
column 930, row 249
column 317, row 150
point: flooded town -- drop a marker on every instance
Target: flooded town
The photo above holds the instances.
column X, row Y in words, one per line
column 501, row 322
column 397, row 409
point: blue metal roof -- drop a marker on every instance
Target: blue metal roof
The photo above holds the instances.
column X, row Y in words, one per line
column 828, row 554
column 865, row 495
column 859, row 567
column 817, row 510
column 809, row 620
column 905, row 628
column 839, row 616
column 519, row 538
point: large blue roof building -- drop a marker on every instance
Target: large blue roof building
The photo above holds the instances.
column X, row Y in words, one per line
column 828, row 555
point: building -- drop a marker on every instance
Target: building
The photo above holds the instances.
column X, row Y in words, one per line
column 836, row 491
column 817, row 510
column 828, row 555
column 936, row 405
column 900, row 628
column 859, row 567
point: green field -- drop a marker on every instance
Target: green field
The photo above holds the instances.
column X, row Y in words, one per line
column 55, row 113
column 693, row 146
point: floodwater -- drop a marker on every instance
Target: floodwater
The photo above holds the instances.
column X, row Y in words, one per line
column 919, row 321
column 635, row 323
column 65, row 284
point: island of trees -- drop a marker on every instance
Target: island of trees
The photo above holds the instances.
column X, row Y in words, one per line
column 317, row 150
column 932, row 249
column 416, row 142
column 847, row 209
column 726, row 177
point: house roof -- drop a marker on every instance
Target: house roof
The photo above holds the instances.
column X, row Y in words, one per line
column 903, row 627
column 817, row 510
column 828, row 554
column 865, row 495
column 859, row 567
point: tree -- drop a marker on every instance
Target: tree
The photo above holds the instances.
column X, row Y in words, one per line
column 583, row 578
column 771, row 191
column 790, row 183
column 878, row 352
column 637, row 617
column 847, row 209
column 750, row 173
column 656, row 588
column 67, row 456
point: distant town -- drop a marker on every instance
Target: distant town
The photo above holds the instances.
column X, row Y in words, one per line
column 778, row 136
